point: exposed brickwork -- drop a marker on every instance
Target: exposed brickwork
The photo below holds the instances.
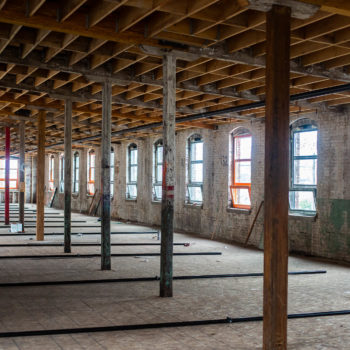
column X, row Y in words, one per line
column 328, row 235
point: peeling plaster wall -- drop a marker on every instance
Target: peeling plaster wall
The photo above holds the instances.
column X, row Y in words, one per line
column 327, row 235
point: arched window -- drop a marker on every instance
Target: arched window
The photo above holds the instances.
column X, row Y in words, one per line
column 51, row 173
column 195, row 170
column 14, row 173
column 75, row 182
column 112, row 171
column 240, row 188
column 303, row 170
column 61, row 170
column 157, row 170
column 91, row 173
column 131, row 174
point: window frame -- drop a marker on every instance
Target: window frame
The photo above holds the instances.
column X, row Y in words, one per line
column 295, row 128
column 240, row 185
column 112, row 173
column 91, row 169
column 61, row 173
column 131, row 147
column 192, row 184
column 10, row 179
column 157, row 182
column 51, row 173
column 76, row 182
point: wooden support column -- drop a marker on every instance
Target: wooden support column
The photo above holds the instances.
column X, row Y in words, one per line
column 106, row 176
column 7, row 175
column 167, row 217
column 276, row 178
column 40, row 180
column 67, row 174
column 22, row 186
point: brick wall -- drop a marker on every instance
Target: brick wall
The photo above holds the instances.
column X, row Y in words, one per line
column 327, row 235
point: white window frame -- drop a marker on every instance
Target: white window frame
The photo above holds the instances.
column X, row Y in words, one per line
column 306, row 126
column 129, row 184
column 191, row 140
column 157, row 182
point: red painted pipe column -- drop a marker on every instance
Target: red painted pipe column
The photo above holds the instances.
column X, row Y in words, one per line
column 7, row 175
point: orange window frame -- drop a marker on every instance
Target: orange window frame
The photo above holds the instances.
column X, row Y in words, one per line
column 91, row 183
column 237, row 185
column 10, row 180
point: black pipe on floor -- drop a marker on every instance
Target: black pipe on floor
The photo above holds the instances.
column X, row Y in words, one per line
column 57, row 221
column 85, row 256
column 77, row 233
column 148, row 279
column 52, row 226
column 131, row 327
column 12, row 245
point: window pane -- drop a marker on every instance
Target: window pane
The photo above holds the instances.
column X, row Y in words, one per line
column 2, row 163
column 112, row 189
column 302, row 200
column 13, row 184
column 305, row 143
column 196, row 172
column 243, row 172
column 159, row 173
column 92, row 159
column 112, row 173
column 132, row 191
column 158, row 192
column 243, row 147
column 196, row 150
column 133, row 174
column 195, row 193
column 305, row 171
column 92, row 174
column 241, row 196
column 13, row 173
column 159, row 154
column 133, row 156
column 2, row 173
column 13, row 163
column 91, row 188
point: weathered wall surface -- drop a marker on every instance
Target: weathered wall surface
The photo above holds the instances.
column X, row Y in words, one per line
column 327, row 235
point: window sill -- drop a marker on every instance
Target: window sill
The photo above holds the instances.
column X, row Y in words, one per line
column 193, row 206
column 131, row 200
column 156, row 202
column 304, row 216
column 238, row 211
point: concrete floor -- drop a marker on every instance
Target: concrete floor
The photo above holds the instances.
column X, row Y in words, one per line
column 49, row 307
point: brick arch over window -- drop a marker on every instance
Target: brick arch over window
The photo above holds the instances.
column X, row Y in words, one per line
column 240, row 168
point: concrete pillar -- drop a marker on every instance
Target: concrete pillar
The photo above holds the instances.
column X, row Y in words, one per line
column 167, row 216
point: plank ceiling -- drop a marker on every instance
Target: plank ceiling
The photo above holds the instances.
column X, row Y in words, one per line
column 53, row 50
